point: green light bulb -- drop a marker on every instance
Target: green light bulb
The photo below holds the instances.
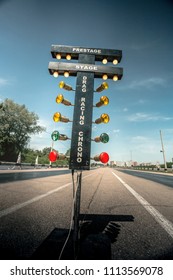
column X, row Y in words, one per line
column 55, row 135
column 104, row 138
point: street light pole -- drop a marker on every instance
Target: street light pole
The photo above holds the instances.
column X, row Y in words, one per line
column 163, row 151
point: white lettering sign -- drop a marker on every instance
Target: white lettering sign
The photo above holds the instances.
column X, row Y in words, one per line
column 80, row 146
column 86, row 67
column 85, row 50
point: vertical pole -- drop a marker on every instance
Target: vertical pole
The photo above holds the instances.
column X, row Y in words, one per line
column 77, row 212
column 163, row 151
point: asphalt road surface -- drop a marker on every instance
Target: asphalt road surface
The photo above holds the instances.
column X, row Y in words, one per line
column 124, row 214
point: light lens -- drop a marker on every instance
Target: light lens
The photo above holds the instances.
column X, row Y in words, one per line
column 68, row 57
column 104, row 61
column 104, row 157
column 105, row 85
column 55, row 135
column 104, row 138
column 53, row 156
column 105, row 77
column 61, row 84
column 58, row 56
column 115, row 78
column 59, row 98
column 105, row 118
column 104, row 100
column 66, row 74
column 115, row 61
column 55, row 74
column 57, row 117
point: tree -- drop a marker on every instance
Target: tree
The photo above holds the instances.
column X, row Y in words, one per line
column 16, row 126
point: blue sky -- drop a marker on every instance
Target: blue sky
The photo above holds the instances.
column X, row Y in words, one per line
column 140, row 104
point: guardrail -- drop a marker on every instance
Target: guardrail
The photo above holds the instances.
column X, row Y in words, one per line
column 22, row 164
column 15, row 165
column 168, row 170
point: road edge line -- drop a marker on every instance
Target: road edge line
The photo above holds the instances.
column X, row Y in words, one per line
column 164, row 222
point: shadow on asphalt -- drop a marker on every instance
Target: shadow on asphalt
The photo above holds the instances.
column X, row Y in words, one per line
column 97, row 232
column 11, row 177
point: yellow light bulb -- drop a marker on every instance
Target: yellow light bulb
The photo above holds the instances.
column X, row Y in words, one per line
column 105, row 85
column 115, row 78
column 55, row 74
column 104, row 100
column 59, row 98
column 68, row 57
column 102, row 87
column 104, row 77
column 105, row 118
column 58, row 56
column 66, row 74
column 115, row 61
column 61, row 84
column 57, row 117
column 104, row 61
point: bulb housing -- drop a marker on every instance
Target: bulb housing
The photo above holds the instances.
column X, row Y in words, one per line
column 104, row 118
column 60, row 99
column 57, row 136
column 103, row 157
column 57, row 117
column 104, row 100
column 63, row 85
column 104, row 138
column 102, row 87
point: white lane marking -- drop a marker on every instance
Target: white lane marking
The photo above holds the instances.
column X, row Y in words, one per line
column 34, row 199
column 166, row 224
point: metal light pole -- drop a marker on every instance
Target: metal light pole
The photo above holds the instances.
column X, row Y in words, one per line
column 163, row 151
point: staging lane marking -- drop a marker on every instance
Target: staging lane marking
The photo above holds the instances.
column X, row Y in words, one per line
column 34, row 199
column 165, row 224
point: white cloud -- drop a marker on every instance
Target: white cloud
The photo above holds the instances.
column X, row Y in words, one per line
column 147, row 83
column 139, row 138
column 143, row 117
column 3, row 82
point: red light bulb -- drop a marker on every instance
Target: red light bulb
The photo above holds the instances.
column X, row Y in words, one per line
column 104, row 157
column 53, row 156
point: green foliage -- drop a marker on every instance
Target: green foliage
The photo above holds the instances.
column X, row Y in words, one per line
column 169, row 165
column 29, row 156
column 16, row 126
